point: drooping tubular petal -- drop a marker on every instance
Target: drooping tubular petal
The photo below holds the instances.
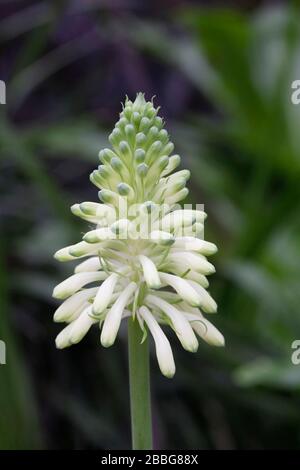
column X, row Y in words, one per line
column 73, row 303
column 196, row 230
column 73, row 283
column 81, row 326
column 104, row 294
column 98, row 210
column 162, row 346
column 76, row 330
column 197, row 277
column 195, row 244
column 189, row 260
column 82, row 249
column 150, row 272
column 177, row 196
column 174, row 161
column 91, row 264
column 176, row 219
column 190, row 274
column 113, row 318
column 171, row 297
column 181, row 326
column 183, row 288
column 207, row 302
column 199, row 215
column 99, row 234
column 64, row 255
column 161, row 237
column 63, row 338
column 78, row 312
column 75, row 209
column 206, row 330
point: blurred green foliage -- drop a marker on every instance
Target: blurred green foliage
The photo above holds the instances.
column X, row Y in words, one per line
column 230, row 74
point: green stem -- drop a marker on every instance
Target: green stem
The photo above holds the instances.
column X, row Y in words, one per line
column 139, row 378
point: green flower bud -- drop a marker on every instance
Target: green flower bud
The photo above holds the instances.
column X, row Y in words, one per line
column 116, row 164
column 150, row 111
column 96, row 179
column 148, row 207
column 175, row 187
column 142, row 169
column 154, row 151
column 130, row 133
column 115, row 137
column 107, row 196
column 140, row 139
column 106, row 155
column 182, row 194
column 89, row 208
column 145, row 124
column 158, row 122
column 168, row 148
column 128, row 112
column 152, row 134
column 104, row 171
column 136, row 117
column 139, row 103
column 185, row 174
column 139, row 155
column 174, row 161
column 163, row 136
column 156, row 168
column 124, row 189
column 75, row 209
column 121, row 226
column 163, row 162
column 119, row 167
column 125, row 149
column 122, row 123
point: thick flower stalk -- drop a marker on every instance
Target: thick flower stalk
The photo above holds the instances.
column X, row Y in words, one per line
column 144, row 256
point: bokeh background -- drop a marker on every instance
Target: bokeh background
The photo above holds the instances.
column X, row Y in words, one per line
column 222, row 73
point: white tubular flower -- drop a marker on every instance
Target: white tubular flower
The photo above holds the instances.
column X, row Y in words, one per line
column 150, row 272
column 79, row 250
column 192, row 261
column 100, row 234
column 207, row 302
column 144, row 257
column 183, row 288
column 62, row 340
column 113, row 318
column 181, row 326
column 104, row 294
column 91, row 264
column 163, row 349
column 67, row 309
column 76, row 330
column 195, row 244
column 73, row 283
column 161, row 237
column 206, row 330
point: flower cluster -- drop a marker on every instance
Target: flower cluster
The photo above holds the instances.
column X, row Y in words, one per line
column 145, row 257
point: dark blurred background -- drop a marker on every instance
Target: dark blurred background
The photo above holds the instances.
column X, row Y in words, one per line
column 222, row 73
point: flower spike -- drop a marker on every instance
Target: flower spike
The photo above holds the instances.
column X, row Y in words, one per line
column 144, row 255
